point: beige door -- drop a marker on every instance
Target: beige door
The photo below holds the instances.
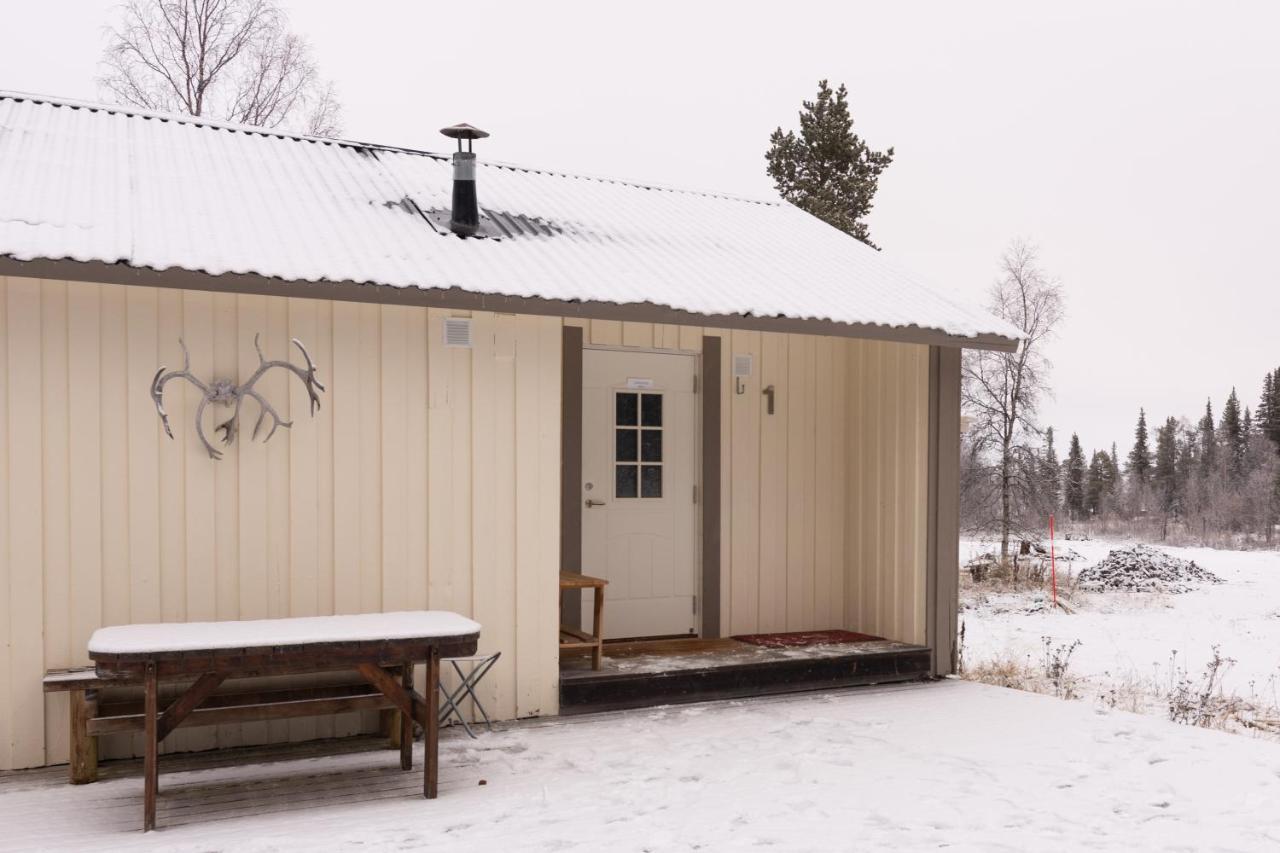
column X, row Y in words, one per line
column 639, row 468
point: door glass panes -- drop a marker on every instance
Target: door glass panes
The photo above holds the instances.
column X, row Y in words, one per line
column 637, row 445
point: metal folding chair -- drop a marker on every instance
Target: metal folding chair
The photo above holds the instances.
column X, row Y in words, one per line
column 480, row 665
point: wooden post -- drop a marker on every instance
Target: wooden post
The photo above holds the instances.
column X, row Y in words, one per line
column 405, row 729
column 84, row 746
column 151, row 759
column 431, row 733
column 597, row 652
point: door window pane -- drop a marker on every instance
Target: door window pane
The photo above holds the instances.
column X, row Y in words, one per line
column 650, row 481
column 651, row 410
column 624, row 445
column 625, row 481
column 626, row 409
column 650, row 445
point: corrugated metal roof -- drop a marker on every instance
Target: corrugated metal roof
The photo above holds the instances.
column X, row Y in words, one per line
column 91, row 183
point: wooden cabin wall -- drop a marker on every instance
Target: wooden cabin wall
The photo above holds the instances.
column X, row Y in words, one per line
column 783, row 493
column 429, row 478
column 886, row 538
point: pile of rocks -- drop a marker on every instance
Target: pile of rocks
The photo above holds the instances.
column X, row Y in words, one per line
column 1141, row 568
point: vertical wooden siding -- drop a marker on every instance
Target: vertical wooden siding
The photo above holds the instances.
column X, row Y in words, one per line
column 422, row 456
column 429, row 478
column 886, row 527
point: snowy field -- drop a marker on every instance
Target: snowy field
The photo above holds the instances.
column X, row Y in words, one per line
column 1140, row 638
column 948, row 764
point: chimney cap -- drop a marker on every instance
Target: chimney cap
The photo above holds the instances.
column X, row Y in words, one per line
column 464, row 131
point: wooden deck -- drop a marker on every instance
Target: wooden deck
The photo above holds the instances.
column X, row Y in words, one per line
column 660, row 672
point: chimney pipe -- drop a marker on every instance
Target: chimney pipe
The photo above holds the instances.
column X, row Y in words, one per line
column 464, row 219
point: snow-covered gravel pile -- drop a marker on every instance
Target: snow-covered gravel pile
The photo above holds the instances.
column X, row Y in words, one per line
column 1141, row 568
column 1141, row 637
column 951, row 764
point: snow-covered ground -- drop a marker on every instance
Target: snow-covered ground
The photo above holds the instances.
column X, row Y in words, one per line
column 1131, row 637
column 947, row 764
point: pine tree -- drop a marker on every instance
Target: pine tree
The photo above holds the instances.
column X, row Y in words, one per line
column 1208, row 441
column 1166, row 472
column 1232, row 435
column 1075, row 478
column 828, row 170
column 1140, row 455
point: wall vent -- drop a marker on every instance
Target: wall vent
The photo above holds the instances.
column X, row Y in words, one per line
column 742, row 364
column 457, row 332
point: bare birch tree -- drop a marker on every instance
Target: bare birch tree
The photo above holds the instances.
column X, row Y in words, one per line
column 233, row 60
column 1002, row 391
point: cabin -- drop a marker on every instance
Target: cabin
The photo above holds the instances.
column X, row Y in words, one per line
column 742, row 419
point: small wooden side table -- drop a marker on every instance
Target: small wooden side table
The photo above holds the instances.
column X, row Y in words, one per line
column 572, row 638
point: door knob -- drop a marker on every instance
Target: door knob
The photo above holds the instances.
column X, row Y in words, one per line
column 591, row 502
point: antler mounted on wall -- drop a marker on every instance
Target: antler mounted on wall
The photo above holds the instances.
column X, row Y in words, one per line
column 225, row 393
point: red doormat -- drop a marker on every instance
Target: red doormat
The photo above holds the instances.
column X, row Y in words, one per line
column 805, row 638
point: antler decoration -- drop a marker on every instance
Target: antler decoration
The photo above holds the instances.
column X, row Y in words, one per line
column 225, row 393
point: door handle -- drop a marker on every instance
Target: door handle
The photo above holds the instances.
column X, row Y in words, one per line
column 591, row 502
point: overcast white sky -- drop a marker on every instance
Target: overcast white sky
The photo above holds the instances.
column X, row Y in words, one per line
column 1138, row 144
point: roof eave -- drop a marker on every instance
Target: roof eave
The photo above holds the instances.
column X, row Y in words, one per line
column 458, row 299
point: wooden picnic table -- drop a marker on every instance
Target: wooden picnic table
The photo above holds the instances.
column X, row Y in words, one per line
column 382, row 647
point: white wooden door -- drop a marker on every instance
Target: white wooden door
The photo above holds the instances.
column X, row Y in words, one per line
column 639, row 470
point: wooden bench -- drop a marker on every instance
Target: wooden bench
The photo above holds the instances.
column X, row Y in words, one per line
column 573, row 638
column 94, row 714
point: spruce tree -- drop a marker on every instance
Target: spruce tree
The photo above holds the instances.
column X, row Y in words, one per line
column 1208, row 441
column 1166, row 467
column 1232, row 436
column 828, row 170
column 1050, row 483
column 1075, row 478
column 1262, row 418
column 1140, row 455
column 1096, row 482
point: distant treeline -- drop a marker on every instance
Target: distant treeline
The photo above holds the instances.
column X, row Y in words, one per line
column 1216, row 480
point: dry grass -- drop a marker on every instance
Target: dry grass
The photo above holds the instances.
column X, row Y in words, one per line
column 1190, row 699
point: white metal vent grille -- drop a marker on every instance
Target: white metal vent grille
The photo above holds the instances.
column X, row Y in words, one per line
column 742, row 364
column 457, row 332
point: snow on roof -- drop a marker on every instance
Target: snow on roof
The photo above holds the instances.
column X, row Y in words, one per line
column 261, row 633
column 90, row 183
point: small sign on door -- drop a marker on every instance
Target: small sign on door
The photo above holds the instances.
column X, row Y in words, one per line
column 638, row 382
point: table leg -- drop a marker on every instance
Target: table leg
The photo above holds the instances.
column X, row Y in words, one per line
column 84, row 746
column 597, row 653
column 431, row 733
column 406, row 721
column 151, row 759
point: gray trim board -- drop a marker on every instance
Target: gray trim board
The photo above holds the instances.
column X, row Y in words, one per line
column 571, row 469
column 709, row 388
column 943, row 550
column 463, row 300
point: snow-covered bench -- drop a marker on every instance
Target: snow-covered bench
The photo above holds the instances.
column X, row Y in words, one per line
column 381, row 647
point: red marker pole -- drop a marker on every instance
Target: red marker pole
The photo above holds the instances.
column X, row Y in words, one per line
column 1053, row 564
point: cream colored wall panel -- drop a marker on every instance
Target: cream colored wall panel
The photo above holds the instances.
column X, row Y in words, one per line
column 26, row 522
column 638, row 335
column 743, row 435
column 606, row 332
column 84, row 451
column 52, row 410
column 801, row 502
column 6, row 668
column 772, row 525
column 886, row 488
